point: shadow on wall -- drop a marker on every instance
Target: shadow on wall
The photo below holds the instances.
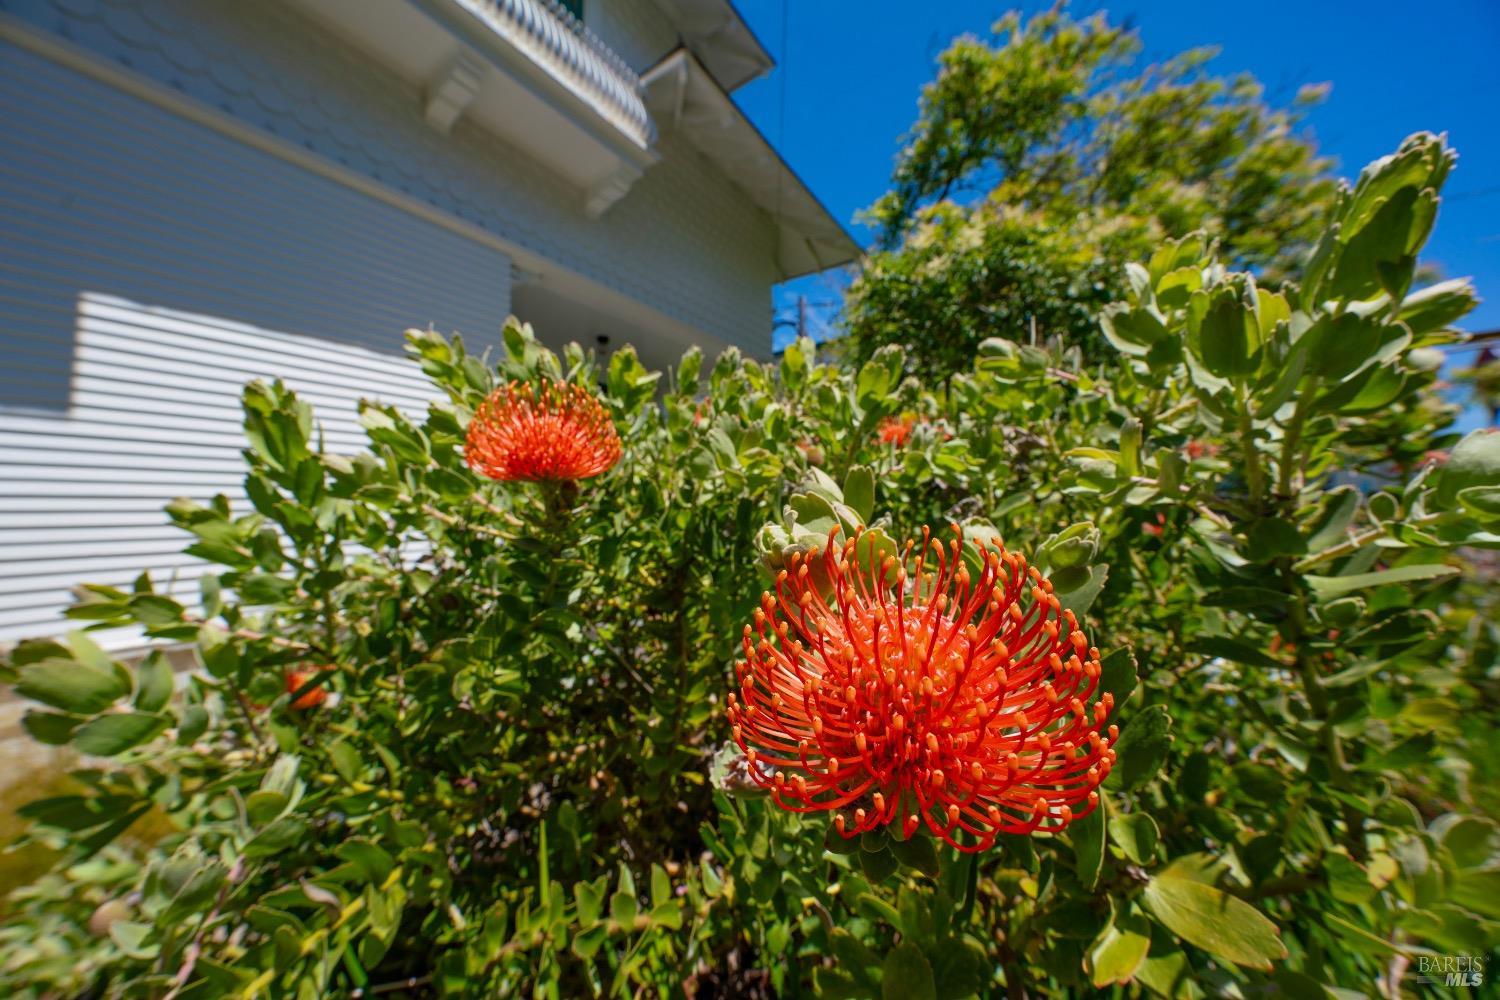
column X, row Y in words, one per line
column 154, row 413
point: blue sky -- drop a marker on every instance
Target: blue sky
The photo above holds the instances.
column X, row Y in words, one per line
column 851, row 74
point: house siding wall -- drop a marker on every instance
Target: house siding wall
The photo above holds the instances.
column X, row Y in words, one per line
column 275, row 70
column 149, row 267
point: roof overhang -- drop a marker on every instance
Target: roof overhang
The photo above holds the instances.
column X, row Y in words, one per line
column 516, row 70
column 714, row 32
column 686, row 100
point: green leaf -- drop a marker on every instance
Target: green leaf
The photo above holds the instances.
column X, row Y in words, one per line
column 859, row 492
column 1437, row 306
column 917, row 852
column 836, row 843
column 272, row 840
column 1228, row 336
column 50, row 727
column 1478, row 891
column 1087, row 833
column 623, row 908
column 1136, row 834
column 1225, row 926
column 1347, row 881
column 1411, row 751
column 1474, row 461
column 1332, row 526
column 371, row 858
column 876, row 381
column 1132, row 330
column 1117, row 674
column 587, row 943
column 1471, row 840
column 1119, row 951
column 908, row 974
column 1166, row 970
column 71, row 685
column 1333, row 586
column 1271, row 537
column 263, row 806
column 1142, row 749
column 155, row 609
column 153, row 684
column 959, row 968
column 878, row 865
column 112, row 734
column 1080, row 598
column 1338, row 347
column 794, row 363
column 588, row 897
column 1223, row 647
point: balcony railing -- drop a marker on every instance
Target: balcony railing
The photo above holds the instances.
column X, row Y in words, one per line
column 558, row 43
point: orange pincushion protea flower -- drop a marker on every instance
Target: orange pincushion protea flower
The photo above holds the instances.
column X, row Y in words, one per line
column 296, row 679
column 931, row 697
column 895, row 430
column 560, row 433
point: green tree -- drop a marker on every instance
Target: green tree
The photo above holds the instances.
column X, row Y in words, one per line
column 1046, row 157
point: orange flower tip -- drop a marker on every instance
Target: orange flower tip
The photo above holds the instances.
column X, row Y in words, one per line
column 879, row 802
column 838, row 822
column 952, row 814
column 859, row 816
column 910, row 824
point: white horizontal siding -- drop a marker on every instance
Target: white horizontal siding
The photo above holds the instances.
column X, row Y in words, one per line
column 149, row 268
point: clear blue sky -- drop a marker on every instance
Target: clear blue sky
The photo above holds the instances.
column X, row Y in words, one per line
column 852, row 74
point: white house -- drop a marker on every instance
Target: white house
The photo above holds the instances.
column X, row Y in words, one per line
column 198, row 192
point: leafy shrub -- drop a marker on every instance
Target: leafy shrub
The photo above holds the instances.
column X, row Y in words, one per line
column 520, row 779
column 1045, row 158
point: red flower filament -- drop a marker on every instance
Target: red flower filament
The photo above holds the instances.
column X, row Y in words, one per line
column 560, row 433
column 925, row 697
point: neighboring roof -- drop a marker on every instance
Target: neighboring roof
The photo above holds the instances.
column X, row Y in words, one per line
column 714, row 32
column 686, row 99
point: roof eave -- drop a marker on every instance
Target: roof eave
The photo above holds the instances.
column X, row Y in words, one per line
column 685, row 98
column 719, row 37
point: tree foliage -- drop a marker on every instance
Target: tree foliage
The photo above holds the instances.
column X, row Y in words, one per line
column 1045, row 158
column 520, row 779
